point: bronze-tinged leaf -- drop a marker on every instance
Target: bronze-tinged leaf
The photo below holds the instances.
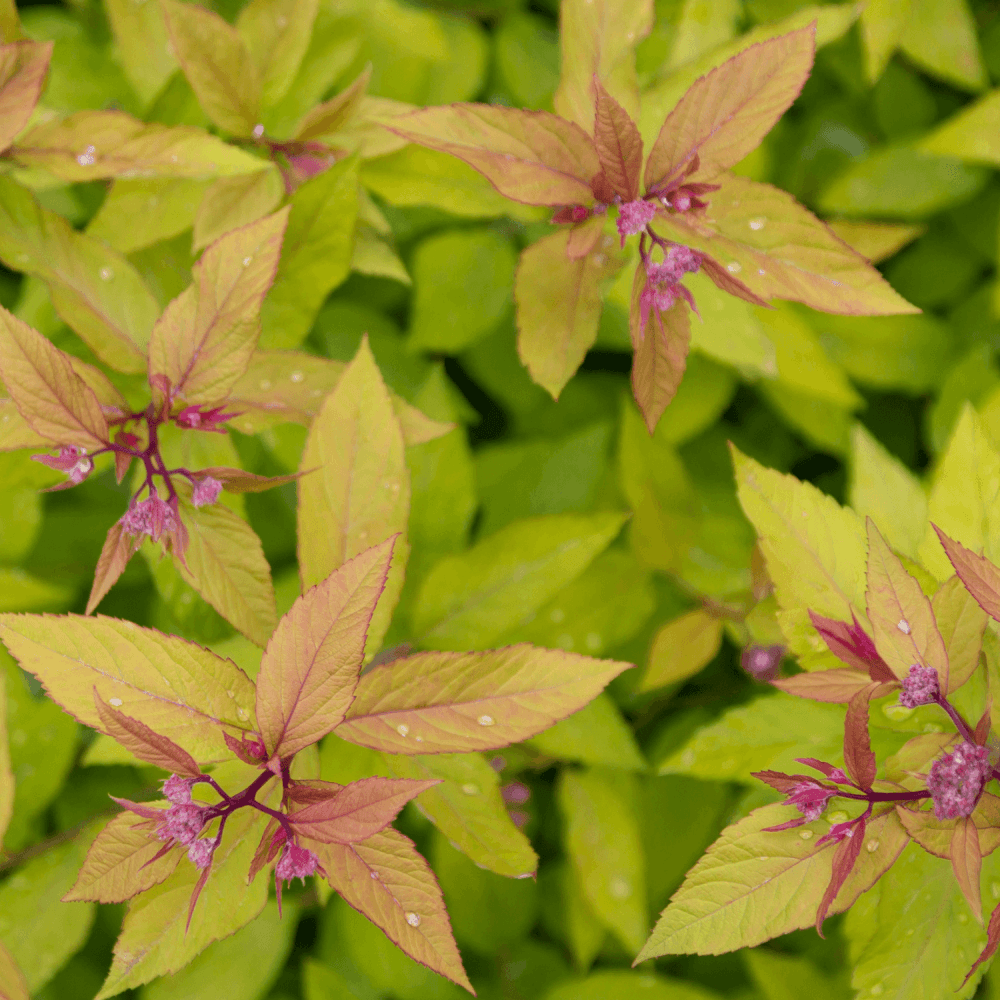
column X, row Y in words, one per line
column 357, row 811
column 16, row 432
column 961, row 622
column 204, row 340
column 558, row 306
column 901, row 614
column 838, row 685
column 145, row 743
column 13, row 985
column 23, row 66
column 240, row 481
column 967, row 863
column 659, row 353
column 233, row 202
column 725, row 114
column 122, row 862
column 224, row 561
column 118, row 549
column 55, row 402
column 387, row 880
column 311, row 665
column 859, row 760
column 333, row 115
column 980, row 576
column 852, row 645
column 618, row 144
column 936, row 836
column 458, row 702
column 844, row 859
column 779, row 249
column 992, row 940
column 533, row 157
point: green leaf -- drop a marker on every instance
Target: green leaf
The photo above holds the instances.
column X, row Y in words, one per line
column 12, row 982
column 940, row 37
column 177, row 688
column 475, row 598
column 463, row 282
column 7, row 790
column 815, row 552
column 490, row 912
column 681, row 648
column 619, row 984
column 882, row 26
column 39, row 930
column 596, row 734
column 277, row 34
column 882, row 488
column 268, row 939
column 789, row 977
column 95, row 290
column 22, row 73
column 91, row 145
column 143, row 45
column 468, row 809
column 233, row 202
column 753, row 885
column 225, row 563
column 312, row 661
column 217, row 65
column 876, row 240
column 455, row 702
column 320, row 982
column 203, row 341
column 961, row 621
column 156, row 940
column 902, row 182
column 357, row 497
column 919, row 894
column 604, row 846
column 316, row 255
column 970, row 135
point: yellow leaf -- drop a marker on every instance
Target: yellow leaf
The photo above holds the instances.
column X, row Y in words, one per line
column 681, row 648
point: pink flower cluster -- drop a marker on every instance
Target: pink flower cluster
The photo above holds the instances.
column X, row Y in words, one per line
column 196, row 419
column 149, row 517
column 920, row 687
column 206, row 492
column 177, row 790
column 957, row 779
column 182, row 822
column 663, row 280
column 810, row 798
column 295, row 862
column 634, row 216
column 72, row 460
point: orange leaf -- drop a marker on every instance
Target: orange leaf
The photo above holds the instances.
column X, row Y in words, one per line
column 311, row 664
column 618, row 144
column 839, row 685
column 118, row 549
column 23, row 66
column 858, row 756
column 967, row 863
column 239, row 481
column 980, row 576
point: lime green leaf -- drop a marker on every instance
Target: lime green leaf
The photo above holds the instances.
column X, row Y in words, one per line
column 599, row 39
column 13, row 985
column 217, row 65
column 16, row 432
column 177, row 688
column 681, row 648
column 51, row 397
column 320, row 982
column 155, row 940
column 139, row 213
column 463, row 281
column 875, row 240
column 475, row 598
column 331, row 116
column 232, row 202
column 882, row 488
column 95, row 290
column 970, row 135
column 391, row 884
column 559, row 303
column 963, row 496
column 919, row 894
column 268, row 939
column 225, row 563
column 471, row 892
column 618, row 984
column 940, row 37
column 726, row 114
column 901, row 182
column 39, row 930
column 316, row 255
column 767, row 734
column 468, row 809
column 527, row 58
column 91, row 145
column 448, row 702
column 143, row 45
column 6, row 771
column 277, row 35
column 882, row 25
column 203, row 341
column 604, row 846
column 417, row 176
column 596, row 734
column 311, row 664
column 357, row 497
column 121, row 863
column 753, row 885
column 788, row 977
column 22, row 72
column 20, row 591
column 585, row 934
column 374, row 256
column 815, row 552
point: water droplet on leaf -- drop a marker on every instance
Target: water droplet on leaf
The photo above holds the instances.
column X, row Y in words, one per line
column 413, row 919
column 872, row 846
column 756, row 224
column 470, row 789
column 106, row 274
column 486, row 720
column 806, row 835
column 403, row 729
column 735, row 267
column 296, row 376
column 903, row 626
column 117, row 702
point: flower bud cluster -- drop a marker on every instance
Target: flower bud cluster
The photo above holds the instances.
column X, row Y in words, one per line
column 920, row 687
column 295, row 862
column 663, row 286
column 634, row 216
column 957, row 779
column 206, row 491
column 182, row 822
column 151, row 516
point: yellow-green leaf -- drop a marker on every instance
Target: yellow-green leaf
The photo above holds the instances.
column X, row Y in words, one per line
column 6, row 772
column 13, row 985
column 882, row 25
column 232, row 202
column 276, row 34
column 971, row 134
column 681, row 648
column 143, row 45
column 23, row 66
column 940, row 37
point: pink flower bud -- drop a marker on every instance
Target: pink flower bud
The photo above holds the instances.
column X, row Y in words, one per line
column 196, row 419
column 663, row 286
column 182, row 822
column 515, row 793
column 72, row 460
column 200, row 852
column 920, row 687
column 761, row 662
column 177, row 790
column 957, row 779
column 149, row 517
column 810, row 798
column 296, row 862
column 634, row 216
column 206, row 492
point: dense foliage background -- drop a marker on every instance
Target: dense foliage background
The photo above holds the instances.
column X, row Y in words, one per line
column 616, row 800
